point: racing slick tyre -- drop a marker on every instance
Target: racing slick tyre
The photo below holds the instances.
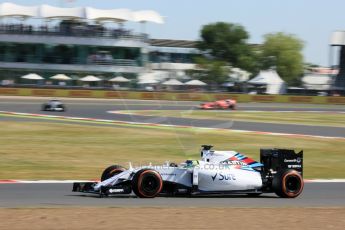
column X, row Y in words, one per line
column 232, row 107
column 147, row 183
column 111, row 171
column 288, row 184
column 63, row 108
column 45, row 107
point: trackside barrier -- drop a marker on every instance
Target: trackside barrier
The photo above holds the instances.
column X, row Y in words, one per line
column 175, row 96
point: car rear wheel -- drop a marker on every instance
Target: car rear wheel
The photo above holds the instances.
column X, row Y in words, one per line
column 112, row 171
column 288, row 184
column 147, row 183
column 45, row 107
column 232, row 107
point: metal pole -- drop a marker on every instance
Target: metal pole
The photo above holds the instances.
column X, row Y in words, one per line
column 330, row 58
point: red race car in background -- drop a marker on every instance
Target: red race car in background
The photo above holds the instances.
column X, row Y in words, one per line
column 221, row 104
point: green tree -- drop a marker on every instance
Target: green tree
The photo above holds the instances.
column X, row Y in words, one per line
column 284, row 52
column 213, row 72
column 227, row 42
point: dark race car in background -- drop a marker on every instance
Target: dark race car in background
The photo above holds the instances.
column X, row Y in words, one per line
column 54, row 105
column 221, row 104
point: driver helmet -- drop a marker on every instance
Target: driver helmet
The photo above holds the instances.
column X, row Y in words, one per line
column 191, row 163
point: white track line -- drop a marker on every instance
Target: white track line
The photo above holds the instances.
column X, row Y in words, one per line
column 244, row 111
column 292, row 111
column 166, row 125
column 42, row 181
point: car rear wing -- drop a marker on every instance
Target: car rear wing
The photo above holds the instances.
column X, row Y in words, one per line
column 281, row 159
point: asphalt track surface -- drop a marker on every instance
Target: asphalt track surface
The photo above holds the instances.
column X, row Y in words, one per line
column 60, row 195
column 99, row 109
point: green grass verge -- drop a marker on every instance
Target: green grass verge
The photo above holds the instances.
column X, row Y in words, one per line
column 302, row 118
column 44, row 150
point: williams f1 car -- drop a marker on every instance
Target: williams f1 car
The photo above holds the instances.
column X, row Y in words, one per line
column 221, row 104
column 279, row 171
column 54, row 105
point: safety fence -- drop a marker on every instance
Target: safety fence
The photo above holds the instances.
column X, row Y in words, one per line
column 176, row 96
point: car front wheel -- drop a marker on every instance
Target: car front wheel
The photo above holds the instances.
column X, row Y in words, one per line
column 147, row 183
column 111, row 171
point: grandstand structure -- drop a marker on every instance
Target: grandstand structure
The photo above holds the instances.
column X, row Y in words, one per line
column 80, row 41
column 172, row 55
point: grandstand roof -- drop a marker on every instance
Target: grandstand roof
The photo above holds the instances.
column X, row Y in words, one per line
column 46, row 11
column 147, row 16
column 8, row 9
column 112, row 14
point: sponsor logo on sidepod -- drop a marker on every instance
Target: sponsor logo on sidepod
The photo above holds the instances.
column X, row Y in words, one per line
column 222, row 177
column 298, row 160
column 231, row 162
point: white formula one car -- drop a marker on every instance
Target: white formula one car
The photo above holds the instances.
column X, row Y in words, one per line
column 218, row 172
column 54, row 105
